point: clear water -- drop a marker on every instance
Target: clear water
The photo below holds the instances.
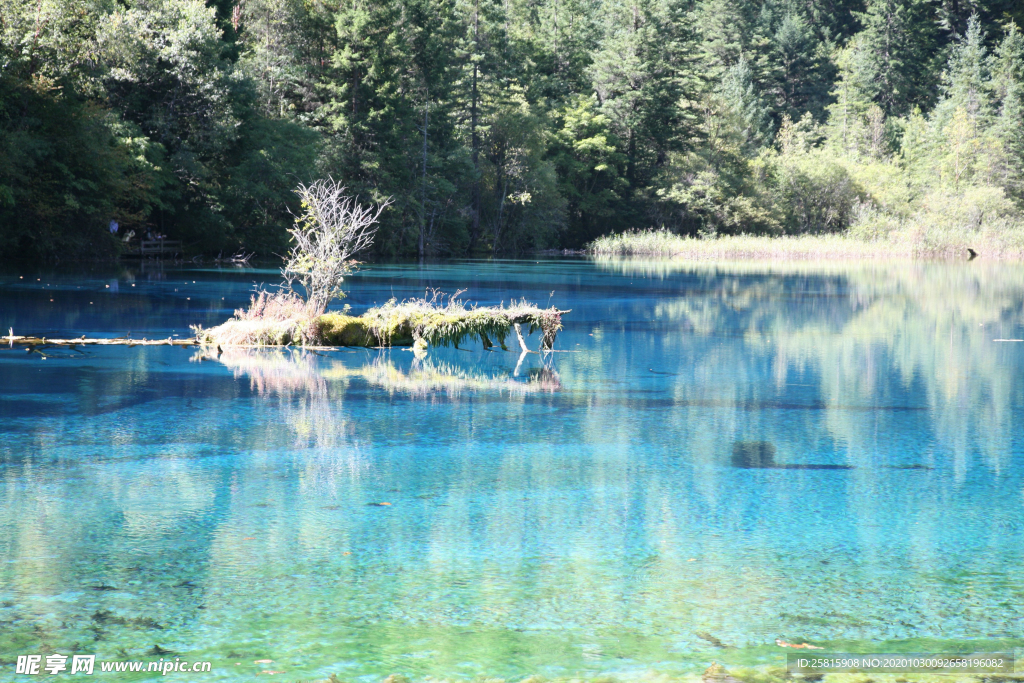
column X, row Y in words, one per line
column 576, row 515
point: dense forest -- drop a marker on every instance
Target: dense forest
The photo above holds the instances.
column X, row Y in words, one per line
column 503, row 126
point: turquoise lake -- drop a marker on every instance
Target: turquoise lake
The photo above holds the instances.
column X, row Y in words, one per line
column 573, row 514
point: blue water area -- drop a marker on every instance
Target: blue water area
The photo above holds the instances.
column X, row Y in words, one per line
column 651, row 492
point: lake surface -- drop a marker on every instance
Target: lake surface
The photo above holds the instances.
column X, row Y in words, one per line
column 364, row 513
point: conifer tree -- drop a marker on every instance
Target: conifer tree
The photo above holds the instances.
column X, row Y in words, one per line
column 900, row 47
column 1007, row 92
column 645, row 76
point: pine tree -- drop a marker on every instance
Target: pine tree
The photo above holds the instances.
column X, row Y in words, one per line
column 590, row 167
column 805, row 72
column 483, row 53
column 1007, row 91
column 853, row 93
column 646, row 78
column 965, row 79
column 963, row 113
column 434, row 30
column 740, row 96
column 900, row 46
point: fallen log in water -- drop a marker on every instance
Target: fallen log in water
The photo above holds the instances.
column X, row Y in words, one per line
column 280, row 321
column 30, row 341
column 418, row 323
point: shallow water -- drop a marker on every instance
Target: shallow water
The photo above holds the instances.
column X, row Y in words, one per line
column 574, row 514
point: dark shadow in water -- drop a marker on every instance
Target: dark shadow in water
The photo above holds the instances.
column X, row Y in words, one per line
column 761, row 455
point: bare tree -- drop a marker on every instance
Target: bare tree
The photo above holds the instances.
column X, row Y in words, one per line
column 331, row 229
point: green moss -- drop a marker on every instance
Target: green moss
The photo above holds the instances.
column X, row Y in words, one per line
column 338, row 329
column 454, row 323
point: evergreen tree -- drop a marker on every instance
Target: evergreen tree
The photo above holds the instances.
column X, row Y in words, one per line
column 738, row 93
column 646, row 79
column 900, row 46
column 590, row 170
column 805, row 73
column 854, row 89
column 965, row 79
column 1007, row 92
column 961, row 115
column 483, row 52
column 369, row 117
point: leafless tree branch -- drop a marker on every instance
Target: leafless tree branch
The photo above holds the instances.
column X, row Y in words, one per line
column 331, row 229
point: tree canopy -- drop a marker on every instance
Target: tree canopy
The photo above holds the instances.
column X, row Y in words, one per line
column 497, row 127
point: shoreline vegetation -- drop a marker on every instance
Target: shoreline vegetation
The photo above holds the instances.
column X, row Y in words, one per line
column 661, row 243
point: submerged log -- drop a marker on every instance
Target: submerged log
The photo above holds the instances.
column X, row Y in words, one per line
column 15, row 340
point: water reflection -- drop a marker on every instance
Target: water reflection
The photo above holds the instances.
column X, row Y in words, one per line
column 580, row 513
column 927, row 334
column 277, row 372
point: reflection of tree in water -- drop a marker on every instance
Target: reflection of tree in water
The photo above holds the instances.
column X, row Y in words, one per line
column 426, row 378
column 289, row 373
column 307, row 391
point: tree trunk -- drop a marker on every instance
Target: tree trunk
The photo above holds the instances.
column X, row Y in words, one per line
column 474, row 233
column 423, row 191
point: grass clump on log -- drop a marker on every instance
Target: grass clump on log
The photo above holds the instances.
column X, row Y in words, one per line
column 436, row 322
column 272, row 319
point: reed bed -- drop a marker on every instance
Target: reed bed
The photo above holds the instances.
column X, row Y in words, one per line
column 936, row 242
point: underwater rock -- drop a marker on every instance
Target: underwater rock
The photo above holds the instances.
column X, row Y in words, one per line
column 761, row 455
column 107, row 617
column 753, row 454
column 716, row 673
column 704, row 635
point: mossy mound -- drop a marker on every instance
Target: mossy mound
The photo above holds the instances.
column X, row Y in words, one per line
column 338, row 329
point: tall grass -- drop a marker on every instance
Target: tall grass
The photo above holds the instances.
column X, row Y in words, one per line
column 943, row 226
column 272, row 319
column 759, row 247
